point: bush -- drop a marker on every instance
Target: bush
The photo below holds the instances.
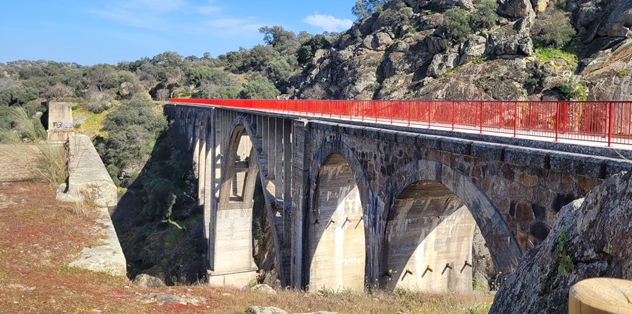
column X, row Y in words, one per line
column 259, row 88
column 160, row 198
column 309, row 48
column 485, row 15
column 554, row 30
column 457, row 24
column 131, row 129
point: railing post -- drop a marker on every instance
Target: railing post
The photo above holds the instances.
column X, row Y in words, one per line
column 515, row 118
column 479, row 113
column 409, row 112
column 453, row 114
column 557, row 121
column 429, row 112
column 610, row 122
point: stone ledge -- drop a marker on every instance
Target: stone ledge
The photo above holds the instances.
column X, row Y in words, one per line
column 107, row 257
column 88, row 180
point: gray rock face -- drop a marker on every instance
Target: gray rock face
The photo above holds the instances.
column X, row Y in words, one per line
column 590, row 238
column 147, row 281
column 511, row 39
column 515, row 8
column 442, row 63
column 473, row 48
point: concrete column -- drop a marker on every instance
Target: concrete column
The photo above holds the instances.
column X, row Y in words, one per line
column 300, row 190
column 272, row 152
column 202, row 162
column 209, row 188
column 278, row 160
column 196, row 147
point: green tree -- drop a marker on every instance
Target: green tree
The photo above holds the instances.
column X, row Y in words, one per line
column 309, row 48
column 364, row 8
column 259, row 88
column 280, row 39
column 457, row 24
column 132, row 128
column 554, row 29
column 484, row 16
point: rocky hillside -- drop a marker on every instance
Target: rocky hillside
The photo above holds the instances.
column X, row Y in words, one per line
column 418, row 49
column 590, row 238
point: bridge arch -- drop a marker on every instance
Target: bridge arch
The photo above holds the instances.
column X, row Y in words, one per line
column 434, row 204
column 231, row 238
column 335, row 224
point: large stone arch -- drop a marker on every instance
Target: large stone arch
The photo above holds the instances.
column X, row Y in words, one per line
column 503, row 247
column 334, row 214
column 231, row 225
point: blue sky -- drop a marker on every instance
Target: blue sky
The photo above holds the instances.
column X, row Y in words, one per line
column 108, row 31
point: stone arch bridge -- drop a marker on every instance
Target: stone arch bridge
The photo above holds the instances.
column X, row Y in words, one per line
column 357, row 204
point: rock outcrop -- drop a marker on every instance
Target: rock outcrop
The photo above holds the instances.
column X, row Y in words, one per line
column 405, row 52
column 590, row 238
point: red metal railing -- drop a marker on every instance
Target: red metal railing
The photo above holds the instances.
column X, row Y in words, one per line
column 594, row 121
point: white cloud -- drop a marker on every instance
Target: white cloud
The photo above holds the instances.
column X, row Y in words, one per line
column 208, row 9
column 234, row 27
column 139, row 13
column 328, row 23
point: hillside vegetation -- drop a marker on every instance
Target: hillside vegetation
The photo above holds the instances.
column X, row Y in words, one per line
column 397, row 49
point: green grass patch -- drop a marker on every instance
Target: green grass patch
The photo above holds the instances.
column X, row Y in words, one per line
column 546, row 55
column 92, row 126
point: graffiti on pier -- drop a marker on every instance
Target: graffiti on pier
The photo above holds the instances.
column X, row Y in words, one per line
column 62, row 125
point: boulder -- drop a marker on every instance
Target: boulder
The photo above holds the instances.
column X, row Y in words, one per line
column 590, row 238
column 515, row 8
column 436, row 44
column 441, row 63
column 539, row 5
column 473, row 48
column 381, row 41
column 511, row 39
column 147, row 281
column 265, row 310
column 263, row 288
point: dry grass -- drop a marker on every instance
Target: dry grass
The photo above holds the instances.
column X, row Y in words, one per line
column 40, row 236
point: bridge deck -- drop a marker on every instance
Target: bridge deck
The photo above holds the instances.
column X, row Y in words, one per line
column 590, row 124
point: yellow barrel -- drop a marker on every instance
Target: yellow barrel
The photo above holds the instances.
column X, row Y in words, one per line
column 600, row 295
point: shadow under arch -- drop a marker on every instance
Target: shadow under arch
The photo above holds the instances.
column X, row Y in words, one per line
column 430, row 181
column 335, row 254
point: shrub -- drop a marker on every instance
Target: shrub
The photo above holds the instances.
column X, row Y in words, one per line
column 259, row 88
column 554, row 30
column 132, row 128
column 485, row 15
column 160, row 198
column 457, row 24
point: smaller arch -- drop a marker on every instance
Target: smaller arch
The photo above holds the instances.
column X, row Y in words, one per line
column 347, row 164
column 503, row 247
column 337, row 251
